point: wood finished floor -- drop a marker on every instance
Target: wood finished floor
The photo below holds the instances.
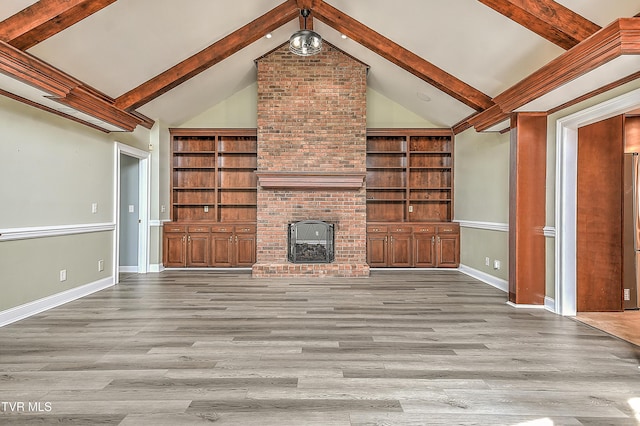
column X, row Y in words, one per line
column 625, row 325
column 399, row 348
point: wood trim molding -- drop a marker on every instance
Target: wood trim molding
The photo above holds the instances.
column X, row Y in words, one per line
column 546, row 18
column 65, row 89
column 311, row 180
column 208, row 57
column 486, row 226
column 46, row 18
column 12, row 234
column 622, row 37
column 50, row 110
column 401, row 57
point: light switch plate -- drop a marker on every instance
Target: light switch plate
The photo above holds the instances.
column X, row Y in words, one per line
column 131, row 208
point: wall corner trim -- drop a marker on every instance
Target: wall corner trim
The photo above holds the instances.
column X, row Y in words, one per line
column 32, row 308
column 496, row 282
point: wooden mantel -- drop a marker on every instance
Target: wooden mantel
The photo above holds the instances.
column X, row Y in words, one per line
column 311, row 180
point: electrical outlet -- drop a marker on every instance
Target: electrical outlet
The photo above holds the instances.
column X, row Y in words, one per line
column 496, row 264
column 627, row 294
column 206, row 209
column 410, row 209
column 100, row 265
column 94, row 207
column 63, row 275
column 487, row 261
column 163, row 209
column 132, row 208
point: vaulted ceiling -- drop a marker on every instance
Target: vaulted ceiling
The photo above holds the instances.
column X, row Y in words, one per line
column 117, row 64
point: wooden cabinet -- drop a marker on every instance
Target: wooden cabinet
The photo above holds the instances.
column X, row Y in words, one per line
column 198, row 246
column 447, row 246
column 213, row 198
column 410, row 199
column 233, row 245
column 174, row 246
column 245, row 245
column 209, row 246
column 424, row 245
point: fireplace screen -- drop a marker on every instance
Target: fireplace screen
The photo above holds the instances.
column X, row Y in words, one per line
column 311, row 241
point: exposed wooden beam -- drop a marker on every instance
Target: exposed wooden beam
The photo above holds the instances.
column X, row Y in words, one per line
column 548, row 19
column 402, row 57
column 44, row 19
column 65, row 89
column 208, row 57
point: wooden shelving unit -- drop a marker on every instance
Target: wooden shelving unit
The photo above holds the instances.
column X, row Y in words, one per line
column 410, row 175
column 213, row 198
column 409, row 194
column 213, row 177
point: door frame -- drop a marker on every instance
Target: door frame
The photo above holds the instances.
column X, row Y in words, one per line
column 566, row 193
column 144, row 199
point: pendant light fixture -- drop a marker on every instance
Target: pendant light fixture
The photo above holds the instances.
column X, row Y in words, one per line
column 305, row 42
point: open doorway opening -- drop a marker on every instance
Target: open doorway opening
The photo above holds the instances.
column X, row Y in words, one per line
column 131, row 239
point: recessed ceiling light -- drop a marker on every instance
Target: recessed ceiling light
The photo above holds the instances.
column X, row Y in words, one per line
column 268, row 35
column 344, row 37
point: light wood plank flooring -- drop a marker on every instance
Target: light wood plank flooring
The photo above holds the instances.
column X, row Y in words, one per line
column 399, row 348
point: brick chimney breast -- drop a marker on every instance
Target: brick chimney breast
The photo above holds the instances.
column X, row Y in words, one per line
column 312, row 133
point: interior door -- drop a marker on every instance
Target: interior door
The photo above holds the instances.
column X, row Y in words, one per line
column 599, row 216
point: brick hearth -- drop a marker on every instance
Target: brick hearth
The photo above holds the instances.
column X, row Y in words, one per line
column 311, row 158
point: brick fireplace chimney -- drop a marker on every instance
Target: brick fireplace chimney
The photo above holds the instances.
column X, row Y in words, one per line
column 311, row 158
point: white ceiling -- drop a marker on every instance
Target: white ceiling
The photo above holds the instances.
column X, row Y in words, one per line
column 131, row 41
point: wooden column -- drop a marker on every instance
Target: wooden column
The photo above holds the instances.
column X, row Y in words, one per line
column 527, row 196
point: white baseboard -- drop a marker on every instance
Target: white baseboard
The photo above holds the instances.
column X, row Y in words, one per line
column 156, row 267
column 128, row 269
column 550, row 304
column 523, row 306
column 498, row 283
column 32, row 308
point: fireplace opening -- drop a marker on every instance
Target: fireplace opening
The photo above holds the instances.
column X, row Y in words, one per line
column 311, row 241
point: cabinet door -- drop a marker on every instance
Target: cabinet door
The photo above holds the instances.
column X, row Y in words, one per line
column 245, row 253
column 377, row 249
column 198, row 250
column 425, row 250
column 400, row 250
column 174, row 249
column 448, row 250
column 221, row 248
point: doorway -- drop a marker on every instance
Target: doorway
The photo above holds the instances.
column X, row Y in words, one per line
column 131, row 238
column 566, row 193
